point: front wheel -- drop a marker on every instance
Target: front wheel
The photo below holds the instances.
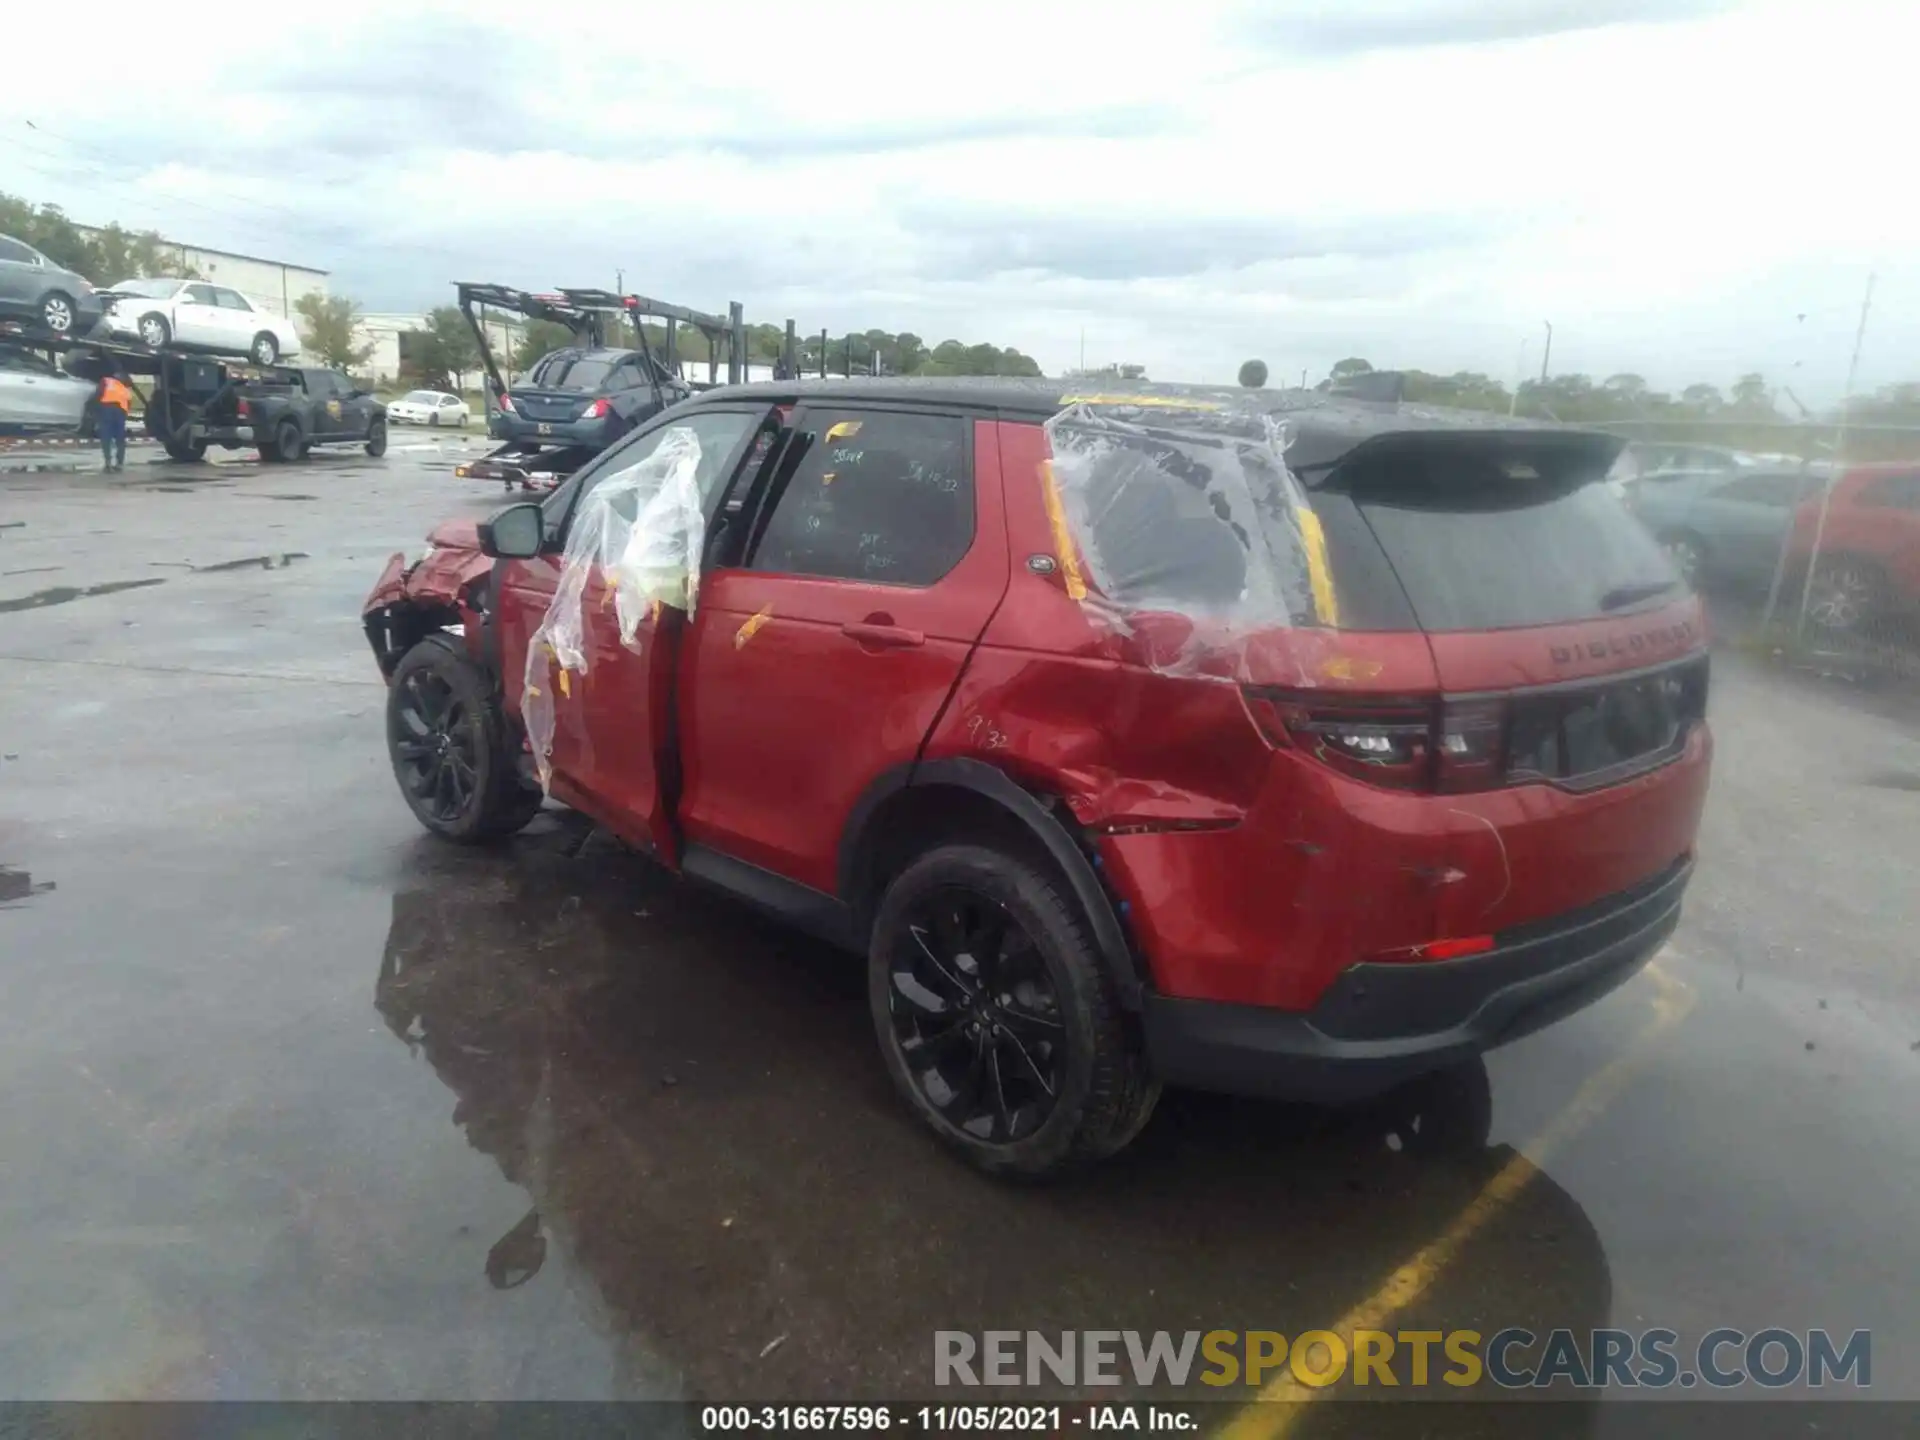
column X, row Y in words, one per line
column 266, row 349
column 286, row 442
column 453, row 750
column 1845, row 595
column 183, row 450
column 377, row 439
column 997, row 1020
column 154, row 331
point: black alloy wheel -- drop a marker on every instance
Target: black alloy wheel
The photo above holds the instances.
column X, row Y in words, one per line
column 976, row 1016
column 437, row 739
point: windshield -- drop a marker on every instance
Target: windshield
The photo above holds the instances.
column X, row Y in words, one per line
column 421, row 397
column 148, row 289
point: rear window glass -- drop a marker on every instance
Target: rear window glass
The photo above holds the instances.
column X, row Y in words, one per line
column 1489, row 542
column 569, row 370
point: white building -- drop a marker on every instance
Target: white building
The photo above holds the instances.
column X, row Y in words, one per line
column 387, row 332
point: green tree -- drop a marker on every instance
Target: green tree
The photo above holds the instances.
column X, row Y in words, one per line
column 331, row 332
column 1702, row 397
column 1750, row 393
column 105, row 256
column 1626, row 384
column 445, row 353
column 1352, row 365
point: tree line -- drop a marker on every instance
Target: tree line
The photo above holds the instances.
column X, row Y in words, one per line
column 105, row 256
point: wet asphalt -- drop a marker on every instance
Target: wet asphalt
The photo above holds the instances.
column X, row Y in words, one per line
column 300, row 1103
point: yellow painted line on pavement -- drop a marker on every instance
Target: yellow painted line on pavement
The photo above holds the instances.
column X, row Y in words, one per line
column 1673, row 998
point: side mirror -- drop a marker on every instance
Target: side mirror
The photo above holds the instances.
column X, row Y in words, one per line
column 515, row 533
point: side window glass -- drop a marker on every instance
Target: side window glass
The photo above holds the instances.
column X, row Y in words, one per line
column 13, row 250
column 880, row 497
column 718, row 431
column 199, row 294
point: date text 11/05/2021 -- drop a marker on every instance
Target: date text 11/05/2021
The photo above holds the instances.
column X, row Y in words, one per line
column 940, row 1419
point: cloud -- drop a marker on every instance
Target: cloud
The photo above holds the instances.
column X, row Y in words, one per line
column 1364, row 25
column 1419, row 183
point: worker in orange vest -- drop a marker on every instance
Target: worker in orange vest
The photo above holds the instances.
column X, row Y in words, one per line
column 115, row 398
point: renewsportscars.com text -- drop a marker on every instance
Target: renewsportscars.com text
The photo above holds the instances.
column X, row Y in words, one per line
column 1511, row 1359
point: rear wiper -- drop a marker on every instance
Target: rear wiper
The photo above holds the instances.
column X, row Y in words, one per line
column 1622, row 596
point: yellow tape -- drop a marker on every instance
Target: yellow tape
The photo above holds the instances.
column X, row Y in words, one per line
column 1164, row 402
column 843, row 430
column 1318, row 570
column 752, row 627
column 566, row 685
column 1062, row 537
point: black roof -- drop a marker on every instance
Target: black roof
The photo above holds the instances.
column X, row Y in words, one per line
column 1321, row 428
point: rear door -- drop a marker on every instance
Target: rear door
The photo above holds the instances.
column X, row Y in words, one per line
column 820, row 657
column 237, row 320
column 609, row 747
column 20, row 275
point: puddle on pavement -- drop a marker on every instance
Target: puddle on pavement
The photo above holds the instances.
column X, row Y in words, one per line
column 61, row 594
column 18, row 885
column 253, row 562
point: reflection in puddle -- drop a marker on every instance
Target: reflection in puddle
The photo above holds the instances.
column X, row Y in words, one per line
column 693, row 1102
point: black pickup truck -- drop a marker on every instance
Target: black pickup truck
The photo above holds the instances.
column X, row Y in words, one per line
column 284, row 412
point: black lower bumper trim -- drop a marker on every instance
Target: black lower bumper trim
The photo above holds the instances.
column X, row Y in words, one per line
column 1381, row 1024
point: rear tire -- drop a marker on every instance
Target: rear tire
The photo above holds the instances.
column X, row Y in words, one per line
column 58, row 314
column 377, row 438
column 181, row 450
column 287, row 442
column 265, row 349
column 454, row 753
column 1019, row 1057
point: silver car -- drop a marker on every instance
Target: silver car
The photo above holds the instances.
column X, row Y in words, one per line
column 34, row 289
column 35, row 397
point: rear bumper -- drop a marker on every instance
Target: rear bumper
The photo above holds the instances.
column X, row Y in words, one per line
column 597, row 433
column 1379, row 1024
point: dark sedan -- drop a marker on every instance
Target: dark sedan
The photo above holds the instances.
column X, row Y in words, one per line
column 584, row 397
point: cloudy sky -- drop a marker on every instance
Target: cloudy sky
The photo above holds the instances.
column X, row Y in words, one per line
column 1685, row 188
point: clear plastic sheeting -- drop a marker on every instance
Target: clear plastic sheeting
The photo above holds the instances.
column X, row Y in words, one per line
column 641, row 530
column 1185, row 508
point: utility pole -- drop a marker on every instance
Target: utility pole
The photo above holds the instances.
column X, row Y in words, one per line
column 1083, row 349
column 1839, row 459
column 1547, row 353
column 619, row 282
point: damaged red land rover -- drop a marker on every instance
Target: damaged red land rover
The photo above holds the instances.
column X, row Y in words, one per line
column 1266, row 742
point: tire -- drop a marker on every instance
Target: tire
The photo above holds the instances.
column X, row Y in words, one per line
column 265, row 348
column 155, row 332
column 1847, row 594
column 467, row 789
column 57, row 313
column 182, row 450
column 287, row 442
column 433, row 420
column 1688, row 553
column 377, row 438
column 1025, row 1064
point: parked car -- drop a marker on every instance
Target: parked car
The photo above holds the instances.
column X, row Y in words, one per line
column 1382, row 769
column 35, row 396
column 1722, row 526
column 196, row 315
column 1641, row 458
column 35, row 290
column 1869, row 564
column 428, row 407
column 284, row 414
column 575, row 396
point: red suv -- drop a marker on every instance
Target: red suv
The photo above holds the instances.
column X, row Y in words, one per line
column 1869, row 566
column 1123, row 752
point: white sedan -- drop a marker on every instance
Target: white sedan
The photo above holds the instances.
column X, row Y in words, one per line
column 202, row 316
column 428, row 407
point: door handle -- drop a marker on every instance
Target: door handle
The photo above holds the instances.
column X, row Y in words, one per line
column 882, row 637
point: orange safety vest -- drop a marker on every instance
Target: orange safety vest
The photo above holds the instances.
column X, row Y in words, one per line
column 113, row 393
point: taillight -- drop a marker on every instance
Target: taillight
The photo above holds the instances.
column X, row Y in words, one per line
column 506, row 405
column 242, row 410
column 595, row 409
column 1403, row 743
